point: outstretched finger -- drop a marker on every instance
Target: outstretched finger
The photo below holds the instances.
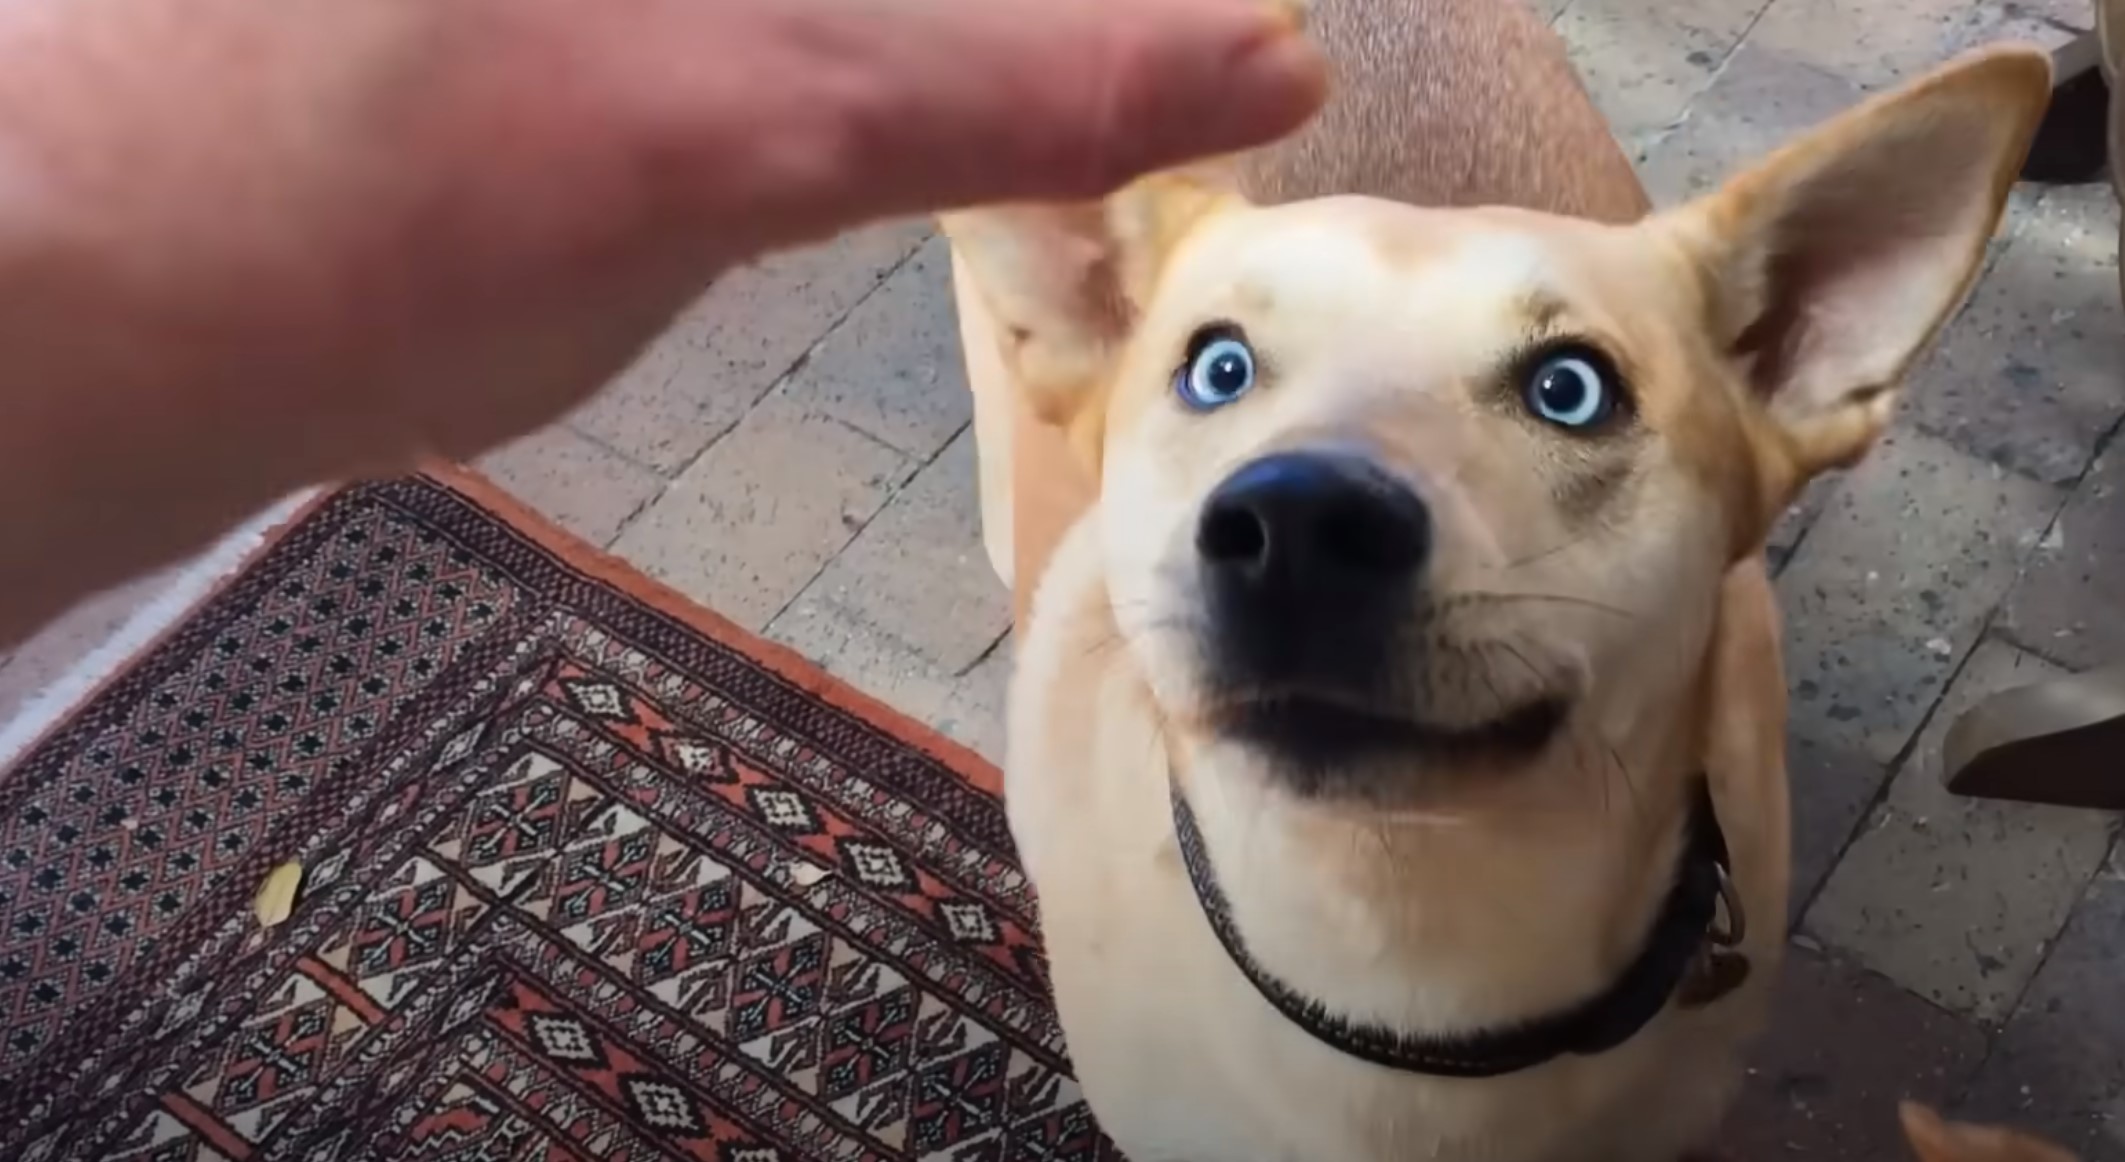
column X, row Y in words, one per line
column 948, row 103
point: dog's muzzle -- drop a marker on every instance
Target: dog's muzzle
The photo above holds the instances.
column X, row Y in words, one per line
column 1313, row 575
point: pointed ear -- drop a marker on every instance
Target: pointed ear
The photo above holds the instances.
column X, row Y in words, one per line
column 1065, row 283
column 1829, row 266
column 1934, row 1140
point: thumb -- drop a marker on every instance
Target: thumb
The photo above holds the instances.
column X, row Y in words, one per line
column 973, row 101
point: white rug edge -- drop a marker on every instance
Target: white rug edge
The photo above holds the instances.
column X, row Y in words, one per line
column 193, row 583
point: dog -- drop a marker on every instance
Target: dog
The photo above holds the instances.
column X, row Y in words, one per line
column 1396, row 745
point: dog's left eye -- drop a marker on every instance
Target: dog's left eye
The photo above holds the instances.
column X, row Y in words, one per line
column 1572, row 388
column 1220, row 369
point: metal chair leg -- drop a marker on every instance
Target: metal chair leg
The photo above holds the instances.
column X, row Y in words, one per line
column 2070, row 145
column 2060, row 742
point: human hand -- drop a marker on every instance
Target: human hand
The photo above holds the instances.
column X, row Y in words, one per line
column 251, row 244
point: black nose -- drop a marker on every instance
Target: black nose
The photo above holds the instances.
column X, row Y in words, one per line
column 1313, row 526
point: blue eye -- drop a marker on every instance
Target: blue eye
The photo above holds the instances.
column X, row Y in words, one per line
column 1220, row 371
column 1572, row 389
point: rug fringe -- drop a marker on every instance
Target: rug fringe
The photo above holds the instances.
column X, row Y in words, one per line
column 193, row 584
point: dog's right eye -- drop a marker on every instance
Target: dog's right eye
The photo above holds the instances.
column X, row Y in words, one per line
column 1573, row 387
column 1220, row 369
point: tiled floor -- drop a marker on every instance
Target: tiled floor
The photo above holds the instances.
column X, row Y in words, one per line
column 797, row 454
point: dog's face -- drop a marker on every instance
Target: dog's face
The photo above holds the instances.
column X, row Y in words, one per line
column 1421, row 486
column 1398, row 500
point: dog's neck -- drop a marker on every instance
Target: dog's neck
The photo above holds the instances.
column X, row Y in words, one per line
column 1529, row 900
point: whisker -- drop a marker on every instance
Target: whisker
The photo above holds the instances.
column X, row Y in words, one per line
column 1479, row 595
column 1104, row 645
column 1382, row 840
column 1630, row 782
column 1552, row 551
column 1534, row 674
column 1122, row 635
column 1490, row 680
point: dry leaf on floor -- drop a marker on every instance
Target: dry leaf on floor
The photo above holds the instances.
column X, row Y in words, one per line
column 276, row 897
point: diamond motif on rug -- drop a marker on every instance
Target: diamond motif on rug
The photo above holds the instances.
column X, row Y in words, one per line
column 565, row 1039
column 699, row 758
column 600, row 699
column 968, row 922
column 784, row 810
column 662, row 1106
column 877, row 866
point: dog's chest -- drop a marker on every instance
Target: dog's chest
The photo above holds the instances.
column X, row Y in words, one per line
column 1181, row 1059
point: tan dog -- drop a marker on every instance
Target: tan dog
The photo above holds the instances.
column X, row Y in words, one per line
column 1359, row 731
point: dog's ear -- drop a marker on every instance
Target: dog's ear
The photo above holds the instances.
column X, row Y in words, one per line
column 1065, row 283
column 1829, row 266
column 1935, row 1140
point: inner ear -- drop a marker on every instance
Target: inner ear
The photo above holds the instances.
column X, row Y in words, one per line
column 1065, row 283
column 1050, row 277
column 1861, row 260
column 1829, row 267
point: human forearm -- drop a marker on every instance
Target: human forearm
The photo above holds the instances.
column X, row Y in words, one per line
column 251, row 244
column 160, row 304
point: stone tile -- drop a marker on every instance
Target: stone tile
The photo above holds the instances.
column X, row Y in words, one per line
column 1800, row 516
column 1874, row 45
column 1549, row 10
column 968, row 708
column 1643, row 60
column 2032, row 373
column 1832, row 789
column 757, row 516
column 1844, row 1048
column 585, row 487
column 2058, row 1068
column 726, row 351
column 918, row 571
column 1761, row 100
column 1954, row 898
column 2070, row 604
column 893, row 367
column 65, row 641
column 2048, row 24
column 974, row 714
column 868, row 658
column 2074, row 15
column 1893, row 583
column 2078, row 15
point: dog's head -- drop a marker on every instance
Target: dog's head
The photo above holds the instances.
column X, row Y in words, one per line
column 1381, row 482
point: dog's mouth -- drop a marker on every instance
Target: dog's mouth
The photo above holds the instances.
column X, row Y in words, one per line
column 1319, row 733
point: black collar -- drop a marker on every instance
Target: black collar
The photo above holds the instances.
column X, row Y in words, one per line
column 1684, row 951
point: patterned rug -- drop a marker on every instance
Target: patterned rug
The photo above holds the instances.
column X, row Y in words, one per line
column 590, row 874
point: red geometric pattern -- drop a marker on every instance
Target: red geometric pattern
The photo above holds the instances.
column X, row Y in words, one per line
column 585, row 880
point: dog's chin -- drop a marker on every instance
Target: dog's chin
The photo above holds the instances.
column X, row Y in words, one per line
column 1322, row 746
